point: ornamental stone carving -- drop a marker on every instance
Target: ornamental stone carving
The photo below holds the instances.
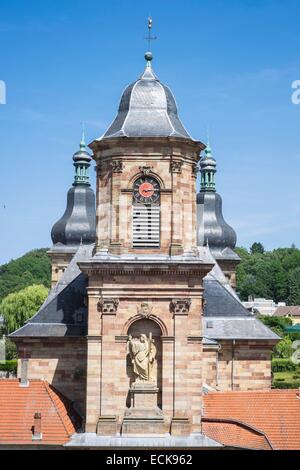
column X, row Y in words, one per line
column 175, row 167
column 195, row 170
column 117, row 166
column 180, row 305
column 146, row 170
column 142, row 351
column 145, row 309
column 107, row 306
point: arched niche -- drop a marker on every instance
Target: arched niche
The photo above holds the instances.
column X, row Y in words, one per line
column 146, row 326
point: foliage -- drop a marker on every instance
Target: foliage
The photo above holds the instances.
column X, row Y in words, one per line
column 269, row 274
column 257, row 247
column 9, row 366
column 294, row 287
column 285, row 384
column 32, row 268
column 277, row 324
column 18, row 307
column 10, row 349
column 284, row 348
column 283, row 365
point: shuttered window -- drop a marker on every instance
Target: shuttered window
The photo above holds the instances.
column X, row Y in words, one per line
column 146, row 225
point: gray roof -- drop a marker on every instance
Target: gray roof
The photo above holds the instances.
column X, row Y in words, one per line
column 247, row 328
column 64, row 312
column 78, row 223
column 147, row 109
column 212, row 228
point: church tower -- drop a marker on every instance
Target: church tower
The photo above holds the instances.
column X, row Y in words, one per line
column 212, row 230
column 144, row 358
column 77, row 225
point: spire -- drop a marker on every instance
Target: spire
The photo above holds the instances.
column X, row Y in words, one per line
column 208, row 170
column 82, row 163
column 148, row 54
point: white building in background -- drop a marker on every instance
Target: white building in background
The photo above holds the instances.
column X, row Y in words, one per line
column 262, row 306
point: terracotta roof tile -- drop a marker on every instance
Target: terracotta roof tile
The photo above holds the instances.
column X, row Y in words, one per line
column 274, row 413
column 234, row 434
column 18, row 406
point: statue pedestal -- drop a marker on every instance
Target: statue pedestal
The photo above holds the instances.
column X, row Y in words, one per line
column 143, row 417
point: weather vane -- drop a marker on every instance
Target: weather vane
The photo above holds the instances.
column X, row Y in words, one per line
column 150, row 38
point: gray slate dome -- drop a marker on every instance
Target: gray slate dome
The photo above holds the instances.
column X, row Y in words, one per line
column 78, row 223
column 147, row 109
column 211, row 226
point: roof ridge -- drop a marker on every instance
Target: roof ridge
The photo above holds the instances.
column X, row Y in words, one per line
column 241, row 423
column 50, row 391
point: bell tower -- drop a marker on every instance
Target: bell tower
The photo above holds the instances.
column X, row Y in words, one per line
column 144, row 369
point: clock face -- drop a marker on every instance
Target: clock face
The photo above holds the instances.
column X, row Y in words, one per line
column 146, row 190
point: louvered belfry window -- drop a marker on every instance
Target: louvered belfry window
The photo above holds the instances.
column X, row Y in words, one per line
column 146, row 213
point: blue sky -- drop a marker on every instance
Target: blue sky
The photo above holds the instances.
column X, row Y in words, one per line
column 229, row 63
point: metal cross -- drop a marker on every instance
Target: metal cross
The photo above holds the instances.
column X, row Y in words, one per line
column 150, row 38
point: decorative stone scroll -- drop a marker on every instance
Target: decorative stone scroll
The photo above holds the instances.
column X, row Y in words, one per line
column 180, row 305
column 107, row 306
column 117, row 166
column 175, row 167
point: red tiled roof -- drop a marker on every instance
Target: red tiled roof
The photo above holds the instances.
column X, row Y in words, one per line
column 234, row 434
column 293, row 310
column 274, row 414
column 18, row 406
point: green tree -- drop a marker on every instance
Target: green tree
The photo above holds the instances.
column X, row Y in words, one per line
column 294, row 287
column 32, row 268
column 257, row 247
column 18, row 307
column 284, row 348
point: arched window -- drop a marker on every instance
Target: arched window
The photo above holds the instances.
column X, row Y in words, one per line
column 146, row 213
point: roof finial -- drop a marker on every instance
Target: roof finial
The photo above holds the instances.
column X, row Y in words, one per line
column 208, row 147
column 82, row 142
column 149, row 38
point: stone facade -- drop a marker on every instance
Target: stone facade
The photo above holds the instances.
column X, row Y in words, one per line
column 60, row 361
column 229, row 269
column 59, row 262
column 177, row 333
column 238, row 365
column 119, row 164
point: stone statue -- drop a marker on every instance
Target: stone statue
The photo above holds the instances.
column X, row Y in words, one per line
column 142, row 352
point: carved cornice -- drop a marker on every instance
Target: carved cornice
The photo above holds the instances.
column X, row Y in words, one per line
column 195, row 170
column 175, row 167
column 180, row 306
column 117, row 166
column 108, row 306
column 118, row 269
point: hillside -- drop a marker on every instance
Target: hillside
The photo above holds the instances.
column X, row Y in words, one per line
column 269, row 274
column 32, row 268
